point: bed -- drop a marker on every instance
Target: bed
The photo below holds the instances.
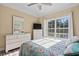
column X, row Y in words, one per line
column 43, row 47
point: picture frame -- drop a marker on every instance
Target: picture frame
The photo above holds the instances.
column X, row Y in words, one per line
column 17, row 24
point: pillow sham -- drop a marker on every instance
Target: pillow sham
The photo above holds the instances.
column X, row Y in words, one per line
column 71, row 40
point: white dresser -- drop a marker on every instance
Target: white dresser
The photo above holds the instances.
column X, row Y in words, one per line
column 37, row 34
column 15, row 40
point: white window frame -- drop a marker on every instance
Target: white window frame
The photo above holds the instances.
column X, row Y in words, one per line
column 70, row 26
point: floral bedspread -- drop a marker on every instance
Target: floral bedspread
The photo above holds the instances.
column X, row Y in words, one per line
column 32, row 49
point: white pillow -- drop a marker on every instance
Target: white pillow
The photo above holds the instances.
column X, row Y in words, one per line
column 73, row 39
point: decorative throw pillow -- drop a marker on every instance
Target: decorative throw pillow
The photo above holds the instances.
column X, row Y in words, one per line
column 72, row 48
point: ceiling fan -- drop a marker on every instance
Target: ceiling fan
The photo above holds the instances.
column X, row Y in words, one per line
column 39, row 5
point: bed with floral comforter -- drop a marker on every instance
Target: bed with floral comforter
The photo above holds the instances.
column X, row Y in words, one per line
column 43, row 47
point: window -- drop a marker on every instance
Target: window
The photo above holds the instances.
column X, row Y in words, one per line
column 60, row 27
column 51, row 28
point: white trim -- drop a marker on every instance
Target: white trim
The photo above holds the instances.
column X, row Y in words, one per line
column 70, row 25
column 45, row 26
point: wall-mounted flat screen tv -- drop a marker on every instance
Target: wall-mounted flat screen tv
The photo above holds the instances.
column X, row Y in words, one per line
column 36, row 26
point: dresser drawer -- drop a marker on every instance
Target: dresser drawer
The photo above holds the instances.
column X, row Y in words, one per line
column 25, row 39
column 12, row 41
column 38, row 30
column 13, row 46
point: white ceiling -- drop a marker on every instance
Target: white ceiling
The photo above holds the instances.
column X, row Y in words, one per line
column 34, row 11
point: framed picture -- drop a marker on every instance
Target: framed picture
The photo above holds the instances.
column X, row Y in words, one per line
column 18, row 25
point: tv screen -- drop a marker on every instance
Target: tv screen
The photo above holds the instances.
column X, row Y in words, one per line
column 36, row 26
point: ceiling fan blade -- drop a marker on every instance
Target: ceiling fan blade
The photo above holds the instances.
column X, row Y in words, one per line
column 31, row 4
column 49, row 4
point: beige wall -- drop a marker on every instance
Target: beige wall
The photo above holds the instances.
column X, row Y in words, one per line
column 75, row 17
column 6, row 22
